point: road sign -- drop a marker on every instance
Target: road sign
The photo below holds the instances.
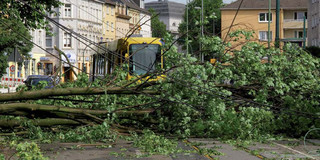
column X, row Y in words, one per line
column 12, row 68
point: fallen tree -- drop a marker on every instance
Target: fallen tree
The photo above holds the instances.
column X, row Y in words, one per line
column 259, row 98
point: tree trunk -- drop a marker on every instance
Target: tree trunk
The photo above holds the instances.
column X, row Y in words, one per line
column 45, row 93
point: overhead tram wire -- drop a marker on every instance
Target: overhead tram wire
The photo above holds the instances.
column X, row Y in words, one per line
column 141, row 68
column 74, row 34
column 163, row 99
column 65, row 28
column 234, row 18
column 225, row 38
column 174, row 98
column 132, row 30
column 126, row 34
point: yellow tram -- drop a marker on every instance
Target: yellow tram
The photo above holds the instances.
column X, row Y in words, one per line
column 142, row 54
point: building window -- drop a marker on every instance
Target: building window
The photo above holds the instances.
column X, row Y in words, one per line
column 67, row 10
column 111, row 26
column 67, row 40
column 264, row 17
column 49, row 38
column 299, row 34
column 300, row 15
column 111, row 10
column 107, row 25
column 48, row 69
column 263, row 35
column 40, row 38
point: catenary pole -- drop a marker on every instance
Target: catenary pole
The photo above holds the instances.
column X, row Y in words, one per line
column 277, row 44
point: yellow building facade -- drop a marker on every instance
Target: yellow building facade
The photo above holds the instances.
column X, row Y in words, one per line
column 253, row 16
column 122, row 21
column 134, row 25
column 109, row 21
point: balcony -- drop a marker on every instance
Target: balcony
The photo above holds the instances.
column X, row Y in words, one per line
column 123, row 16
column 293, row 24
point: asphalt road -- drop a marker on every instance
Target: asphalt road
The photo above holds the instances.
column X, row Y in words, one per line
column 121, row 150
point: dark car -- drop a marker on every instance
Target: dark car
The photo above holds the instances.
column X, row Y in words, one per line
column 34, row 80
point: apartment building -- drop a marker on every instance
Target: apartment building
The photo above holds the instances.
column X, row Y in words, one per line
column 33, row 65
column 170, row 13
column 83, row 17
column 109, row 21
column 314, row 17
column 253, row 16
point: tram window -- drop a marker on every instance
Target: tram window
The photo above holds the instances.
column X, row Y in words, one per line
column 144, row 58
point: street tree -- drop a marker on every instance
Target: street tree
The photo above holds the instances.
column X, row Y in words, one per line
column 13, row 34
column 158, row 28
column 212, row 16
column 17, row 19
column 30, row 12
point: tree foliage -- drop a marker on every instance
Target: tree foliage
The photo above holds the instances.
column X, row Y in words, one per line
column 158, row 28
column 17, row 18
column 29, row 11
column 264, row 98
column 13, row 34
column 241, row 96
column 194, row 22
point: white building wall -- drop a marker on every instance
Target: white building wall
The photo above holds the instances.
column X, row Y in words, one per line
column 313, row 23
column 145, row 25
column 174, row 23
column 86, row 20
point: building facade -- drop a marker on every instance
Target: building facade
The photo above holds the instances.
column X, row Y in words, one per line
column 109, row 21
column 21, row 67
column 85, row 18
column 145, row 24
column 170, row 13
column 253, row 16
column 122, row 19
column 314, row 28
column 95, row 20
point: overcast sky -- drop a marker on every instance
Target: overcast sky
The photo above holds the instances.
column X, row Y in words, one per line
column 184, row 1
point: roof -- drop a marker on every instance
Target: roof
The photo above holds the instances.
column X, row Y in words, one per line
column 110, row 2
column 169, row 3
column 264, row 4
column 166, row 8
column 128, row 3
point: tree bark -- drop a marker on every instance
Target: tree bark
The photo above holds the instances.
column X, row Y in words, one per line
column 45, row 93
column 5, row 123
column 26, row 107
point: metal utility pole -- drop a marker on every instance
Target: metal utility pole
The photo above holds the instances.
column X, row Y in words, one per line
column 202, row 55
column 269, row 35
column 187, row 27
column 213, row 25
column 15, row 66
column 269, row 22
column 277, row 43
column 304, row 32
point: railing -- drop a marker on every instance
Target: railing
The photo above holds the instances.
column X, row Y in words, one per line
column 293, row 20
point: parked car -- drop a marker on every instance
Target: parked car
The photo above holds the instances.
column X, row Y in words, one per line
column 34, row 80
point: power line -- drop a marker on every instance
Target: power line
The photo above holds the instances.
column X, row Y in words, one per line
column 175, row 80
